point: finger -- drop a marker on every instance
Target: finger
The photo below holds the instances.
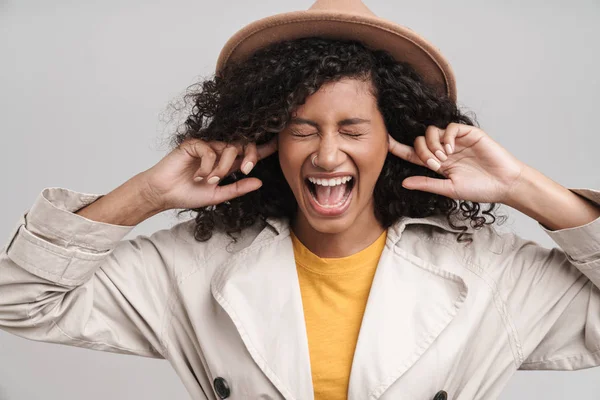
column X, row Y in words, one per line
column 235, row 189
column 432, row 138
column 455, row 130
column 425, row 154
column 218, row 147
column 266, row 149
column 449, row 137
column 228, row 156
column 250, row 158
column 200, row 150
column 443, row 187
column 403, row 151
column 195, row 147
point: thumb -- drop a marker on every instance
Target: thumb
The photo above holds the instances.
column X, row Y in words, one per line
column 235, row 189
column 442, row 187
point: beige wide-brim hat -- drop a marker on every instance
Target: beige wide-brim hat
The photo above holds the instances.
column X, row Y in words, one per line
column 344, row 19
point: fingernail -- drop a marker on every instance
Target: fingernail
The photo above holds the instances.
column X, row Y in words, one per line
column 248, row 167
column 434, row 165
column 198, row 178
column 440, row 154
column 448, row 148
column 213, row 180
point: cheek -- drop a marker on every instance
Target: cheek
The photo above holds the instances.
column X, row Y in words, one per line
column 370, row 159
column 290, row 162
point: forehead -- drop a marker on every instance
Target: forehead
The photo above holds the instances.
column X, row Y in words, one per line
column 347, row 96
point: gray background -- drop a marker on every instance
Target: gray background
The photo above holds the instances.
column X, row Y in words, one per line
column 85, row 90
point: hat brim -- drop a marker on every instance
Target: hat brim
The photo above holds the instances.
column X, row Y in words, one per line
column 375, row 32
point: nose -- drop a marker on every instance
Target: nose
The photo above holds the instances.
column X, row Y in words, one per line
column 329, row 155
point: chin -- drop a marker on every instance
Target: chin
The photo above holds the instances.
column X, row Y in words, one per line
column 331, row 226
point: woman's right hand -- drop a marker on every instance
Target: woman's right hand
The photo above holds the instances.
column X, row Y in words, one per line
column 187, row 177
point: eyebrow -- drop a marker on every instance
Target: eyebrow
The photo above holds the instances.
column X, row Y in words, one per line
column 343, row 122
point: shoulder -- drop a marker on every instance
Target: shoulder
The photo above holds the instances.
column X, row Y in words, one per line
column 437, row 228
column 434, row 238
column 220, row 243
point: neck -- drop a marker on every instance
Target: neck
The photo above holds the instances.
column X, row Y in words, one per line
column 362, row 233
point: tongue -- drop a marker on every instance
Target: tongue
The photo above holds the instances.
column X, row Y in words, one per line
column 330, row 195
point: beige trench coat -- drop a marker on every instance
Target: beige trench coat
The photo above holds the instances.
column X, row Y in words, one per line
column 229, row 317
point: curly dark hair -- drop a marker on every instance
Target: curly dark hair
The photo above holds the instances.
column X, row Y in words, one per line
column 253, row 100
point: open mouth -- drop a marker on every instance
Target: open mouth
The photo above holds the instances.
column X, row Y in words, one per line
column 330, row 196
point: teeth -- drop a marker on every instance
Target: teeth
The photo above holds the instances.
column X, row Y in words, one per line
column 330, row 182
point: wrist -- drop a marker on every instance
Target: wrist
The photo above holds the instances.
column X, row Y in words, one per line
column 125, row 206
column 149, row 198
column 550, row 203
column 523, row 186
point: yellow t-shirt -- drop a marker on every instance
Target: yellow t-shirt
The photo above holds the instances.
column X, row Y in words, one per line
column 334, row 296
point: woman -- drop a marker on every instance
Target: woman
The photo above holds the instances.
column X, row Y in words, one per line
column 325, row 260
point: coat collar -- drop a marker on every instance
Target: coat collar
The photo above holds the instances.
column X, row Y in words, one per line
column 281, row 226
column 410, row 303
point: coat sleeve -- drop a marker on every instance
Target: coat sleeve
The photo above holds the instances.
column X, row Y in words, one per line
column 70, row 280
column 553, row 297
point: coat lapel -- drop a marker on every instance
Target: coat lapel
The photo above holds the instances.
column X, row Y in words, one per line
column 410, row 303
column 259, row 289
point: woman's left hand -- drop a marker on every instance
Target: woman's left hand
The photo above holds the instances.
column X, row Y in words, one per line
column 476, row 167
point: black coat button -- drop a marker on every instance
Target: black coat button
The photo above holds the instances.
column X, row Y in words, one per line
column 221, row 387
column 441, row 395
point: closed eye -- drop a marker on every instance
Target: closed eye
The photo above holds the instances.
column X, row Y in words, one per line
column 298, row 134
column 352, row 134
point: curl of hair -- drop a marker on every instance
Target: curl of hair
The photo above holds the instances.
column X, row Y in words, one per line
column 253, row 100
